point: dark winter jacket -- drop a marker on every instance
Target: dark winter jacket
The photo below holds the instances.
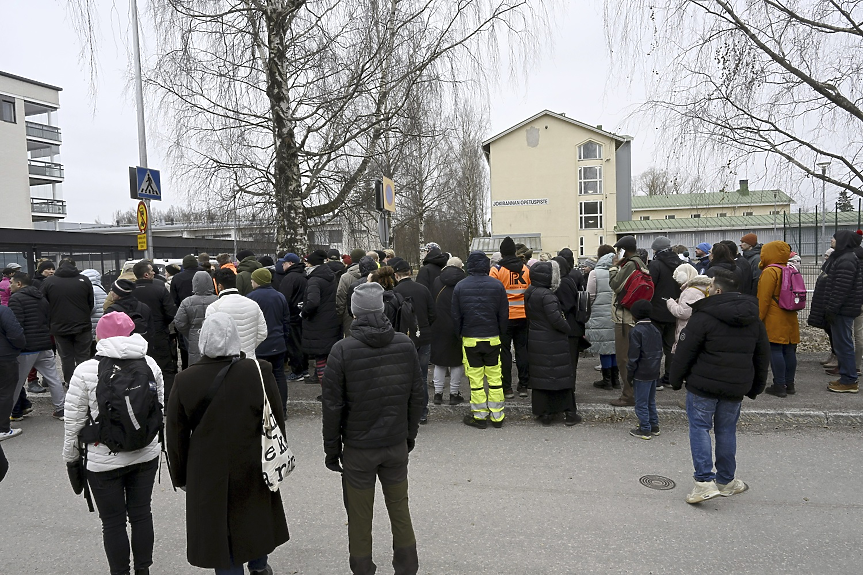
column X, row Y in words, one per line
column 293, row 287
column 12, row 338
column 701, row 264
column 192, row 312
column 753, row 256
column 424, row 308
column 153, row 294
column 571, row 283
column 321, row 324
column 244, row 274
column 229, row 509
column 181, row 284
column 139, row 313
column 664, row 285
column 433, row 264
column 548, row 332
column 31, row 310
column 723, row 352
column 275, row 309
column 446, row 349
column 645, row 352
column 843, row 287
column 748, row 285
column 372, row 391
column 744, row 284
column 479, row 303
column 70, row 297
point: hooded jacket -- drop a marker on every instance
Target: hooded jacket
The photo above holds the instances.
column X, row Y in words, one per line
column 681, row 308
column 841, row 292
column 244, row 274
column 446, row 349
column 433, row 265
column 250, row 321
column 781, row 324
column 99, row 297
column 664, row 285
column 515, row 277
column 600, row 326
column 12, row 339
column 190, row 316
column 372, row 390
column 81, row 401
column 70, row 297
column 31, row 310
column 322, row 327
column 723, row 352
column 568, row 294
column 275, row 309
column 293, row 287
column 139, row 313
column 644, row 360
column 548, row 331
column 479, row 302
column 351, row 275
column 617, row 276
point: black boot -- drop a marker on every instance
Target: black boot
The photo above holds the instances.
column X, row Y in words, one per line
column 605, row 382
column 362, row 565
column 406, row 561
column 777, row 390
column 789, row 388
column 615, row 377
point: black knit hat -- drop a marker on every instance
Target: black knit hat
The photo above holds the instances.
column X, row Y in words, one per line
column 46, row 265
column 243, row 254
column 507, row 247
column 399, row 265
column 334, row 254
column 317, row 257
column 641, row 309
column 123, row 288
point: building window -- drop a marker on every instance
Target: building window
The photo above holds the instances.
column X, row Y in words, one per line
column 590, row 151
column 581, row 245
column 747, row 213
column 722, row 214
column 590, row 180
column 590, row 215
column 644, row 218
column 7, row 111
column 669, row 217
column 695, row 216
column 774, row 212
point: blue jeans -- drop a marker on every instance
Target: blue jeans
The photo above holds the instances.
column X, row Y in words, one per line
column 721, row 415
column 424, row 353
column 842, row 328
column 783, row 363
column 254, row 565
column 607, row 361
column 645, row 404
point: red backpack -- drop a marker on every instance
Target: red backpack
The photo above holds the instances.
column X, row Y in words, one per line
column 638, row 286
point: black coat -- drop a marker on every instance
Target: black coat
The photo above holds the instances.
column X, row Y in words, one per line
column 662, row 268
column 571, row 283
column 153, row 294
column 31, row 311
column 748, row 285
column 293, row 287
column 742, row 279
column 424, row 308
column 446, row 349
column 843, row 288
column 322, row 326
column 479, row 304
column 372, row 391
column 274, row 306
column 723, row 352
column 140, row 314
column 12, row 339
column 338, row 269
column 433, row 264
column 181, row 285
column 548, row 333
column 70, row 298
column 229, row 509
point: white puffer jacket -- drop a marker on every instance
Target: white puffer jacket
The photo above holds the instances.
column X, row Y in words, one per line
column 99, row 297
column 251, row 324
column 81, row 400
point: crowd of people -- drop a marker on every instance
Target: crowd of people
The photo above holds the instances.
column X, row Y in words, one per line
column 368, row 330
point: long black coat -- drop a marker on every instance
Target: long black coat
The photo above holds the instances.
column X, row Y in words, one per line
column 322, row 327
column 567, row 293
column 433, row 265
column 548, row 332
column 664, row 285
column 843, row 288
column 446, row 349
column 293, row 287
column 424, row 308
column 220, row 464
column 31, row 311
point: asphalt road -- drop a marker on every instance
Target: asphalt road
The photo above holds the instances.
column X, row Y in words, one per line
column 522, row 499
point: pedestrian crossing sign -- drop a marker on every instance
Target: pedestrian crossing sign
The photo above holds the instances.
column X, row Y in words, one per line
column 148, row 183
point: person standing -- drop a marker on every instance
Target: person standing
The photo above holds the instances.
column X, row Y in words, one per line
column 372, row 400
column 643, row 366
column 246, row 264
column 662, row 267
column 693, row 287
column 571, row 293
column 747, row 285
column 121, row 483
column 44, row 270
column 232, row 517
column 70, row 300
column 100, row 295
column 293, row 287
column 6, row 282
column 480, row 315
column 600, row 326
column 251, row 324
column 275, row 309
column 623, row 320
column 433, row 265
column 12, row 341
column 181, row 283
column 322, row 327
column 190, row 316
column 722, row 355
column 751, row 251
column 702, row 257
column 783, row 329
column 446, row 350
column 162, row 311
column 514, row 274
column 126, row 302
column 352, row 274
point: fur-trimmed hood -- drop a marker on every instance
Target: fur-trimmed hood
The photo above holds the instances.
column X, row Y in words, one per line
column 546, row 274
column 701, row 282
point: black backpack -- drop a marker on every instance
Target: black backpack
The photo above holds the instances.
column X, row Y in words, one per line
column 130, row 415
column 406, row 319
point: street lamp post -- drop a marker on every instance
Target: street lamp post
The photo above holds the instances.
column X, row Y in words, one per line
column 823, row 166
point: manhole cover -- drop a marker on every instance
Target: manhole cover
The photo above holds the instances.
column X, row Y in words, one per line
column 657, row 482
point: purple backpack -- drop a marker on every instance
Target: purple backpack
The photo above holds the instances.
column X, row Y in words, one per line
column 792, row 290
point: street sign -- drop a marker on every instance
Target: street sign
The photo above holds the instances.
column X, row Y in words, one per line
column 145, row 183
column 383, row 229
column 389, row 195
column 143, row 218
column 142, row 242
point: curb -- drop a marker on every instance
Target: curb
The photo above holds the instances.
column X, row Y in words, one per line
column 599, row 413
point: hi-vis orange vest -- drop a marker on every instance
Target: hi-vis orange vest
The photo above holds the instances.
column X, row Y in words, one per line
column 515, row 283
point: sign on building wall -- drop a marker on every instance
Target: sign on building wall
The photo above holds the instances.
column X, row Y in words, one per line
column 531, row 202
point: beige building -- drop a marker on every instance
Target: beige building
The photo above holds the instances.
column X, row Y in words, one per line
column 740, row 202
column 560, row 179
column 30, row 170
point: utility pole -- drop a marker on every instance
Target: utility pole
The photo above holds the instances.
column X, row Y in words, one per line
column 823, row 166
column 142, row 134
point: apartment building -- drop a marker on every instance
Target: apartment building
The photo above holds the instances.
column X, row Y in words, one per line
column 31, row 173
column 740, row 202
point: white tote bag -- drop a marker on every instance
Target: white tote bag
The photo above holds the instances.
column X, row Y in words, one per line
column 277, row 460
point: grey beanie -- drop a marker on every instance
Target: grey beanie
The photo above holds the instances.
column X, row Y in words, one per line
column 660, row 244
column 367, row 298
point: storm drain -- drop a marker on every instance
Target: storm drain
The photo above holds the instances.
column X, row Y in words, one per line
column 657, row 482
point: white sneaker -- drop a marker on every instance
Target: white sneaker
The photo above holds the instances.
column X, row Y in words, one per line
column 702, row 491
column 736, row 486
column 11, row 433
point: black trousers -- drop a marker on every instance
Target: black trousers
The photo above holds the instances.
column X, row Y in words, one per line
column 160, row 350
column 4, row 464
column 121, row 493
column 516, row 335
column 8, row 383
column 298, row 361
column 73, row 350
column 667, row 330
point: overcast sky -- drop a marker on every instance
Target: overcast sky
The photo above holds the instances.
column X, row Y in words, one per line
column 100, row 141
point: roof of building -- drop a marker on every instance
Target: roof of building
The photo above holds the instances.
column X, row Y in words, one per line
column 710, row 199
column 29, row 81
column 732, row 222
column 491, row 244
column 598, row 130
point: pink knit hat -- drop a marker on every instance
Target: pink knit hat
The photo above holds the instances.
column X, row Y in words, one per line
column 114, row 324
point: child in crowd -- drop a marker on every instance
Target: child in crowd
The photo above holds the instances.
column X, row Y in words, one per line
column 643, row 367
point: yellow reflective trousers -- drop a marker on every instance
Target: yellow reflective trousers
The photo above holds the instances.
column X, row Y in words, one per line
column 482, row 360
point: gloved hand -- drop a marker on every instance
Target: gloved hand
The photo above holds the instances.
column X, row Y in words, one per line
column 333, row 463
column 411, row 444
column 77, row 477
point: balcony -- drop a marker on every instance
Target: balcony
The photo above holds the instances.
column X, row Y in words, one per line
column 45, row 172
column 43, row 132
column 44, row 208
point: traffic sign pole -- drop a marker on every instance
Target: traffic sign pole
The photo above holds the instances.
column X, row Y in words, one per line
column 139, row 104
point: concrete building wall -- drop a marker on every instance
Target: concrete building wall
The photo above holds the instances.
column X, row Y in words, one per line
column 708, row 212
column 14, row 176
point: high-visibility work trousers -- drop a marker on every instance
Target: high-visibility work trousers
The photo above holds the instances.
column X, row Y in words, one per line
column 482, row 360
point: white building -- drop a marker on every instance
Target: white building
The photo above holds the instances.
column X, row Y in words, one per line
column 31, row 174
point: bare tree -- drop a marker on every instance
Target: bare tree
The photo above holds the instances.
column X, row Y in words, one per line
column 773, row 81
column 662, row 182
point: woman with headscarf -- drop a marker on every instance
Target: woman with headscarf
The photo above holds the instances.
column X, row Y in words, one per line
column 693, row 287
column 446, row 347
column 569, row 293
column 783, row 329
column 214, row 448
column 600, row 326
